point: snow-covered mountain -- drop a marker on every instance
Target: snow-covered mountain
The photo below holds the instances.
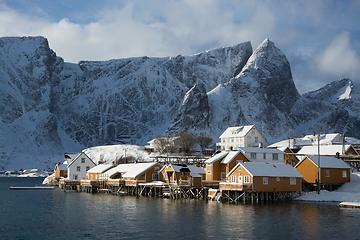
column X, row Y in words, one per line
column 48, row 106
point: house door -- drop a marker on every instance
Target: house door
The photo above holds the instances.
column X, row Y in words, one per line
column 240, row 179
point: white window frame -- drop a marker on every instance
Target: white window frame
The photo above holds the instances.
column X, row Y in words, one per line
column 275, row 156
column 327, row 173
column 252, row 155
column 239, row 179
column 208, row 172
column 75, row 177
column 83, row 160
column 246, row 179
column 278, row 179
column 344, row 174
column 155, row 176
column 156, row 169
column 264, row 155
column 265, row 181
column 292, row 181
column 78, row 168
column 87, row 168
column 233, row 178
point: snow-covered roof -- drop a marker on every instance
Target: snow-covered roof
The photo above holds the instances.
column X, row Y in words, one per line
column 270, row 169
column 180, row 167
column 258, row 150
column 217, row 157
column 327, row 162
column 324, row 149
column 286, row 143
column 130, row 170
column 61, row 166
column 196, row 170
column 100, row 168
column 230, row 157
column 239, row 131
column 78, row 157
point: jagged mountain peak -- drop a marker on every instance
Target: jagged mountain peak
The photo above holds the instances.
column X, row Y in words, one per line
column 343, row 89
column 267, row 74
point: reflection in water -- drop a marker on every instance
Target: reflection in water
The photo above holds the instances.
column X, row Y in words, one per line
column 59, row 215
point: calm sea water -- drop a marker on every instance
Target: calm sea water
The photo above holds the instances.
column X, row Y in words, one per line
column 54, row 214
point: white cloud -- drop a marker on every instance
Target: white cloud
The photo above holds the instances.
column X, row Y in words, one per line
column 120, row 29
column 339, row 58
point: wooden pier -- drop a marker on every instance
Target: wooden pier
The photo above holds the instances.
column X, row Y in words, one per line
column 181, row 192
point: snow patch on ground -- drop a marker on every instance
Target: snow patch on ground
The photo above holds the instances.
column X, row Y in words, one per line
column 349, row 192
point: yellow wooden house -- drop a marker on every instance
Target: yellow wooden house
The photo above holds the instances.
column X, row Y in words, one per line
column 332, row 170
column 182, row 175
column 221, row 164
column 263, row 177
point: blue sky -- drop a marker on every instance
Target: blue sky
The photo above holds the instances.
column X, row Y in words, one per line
column 321, row 39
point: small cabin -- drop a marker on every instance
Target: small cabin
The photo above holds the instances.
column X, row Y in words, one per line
column 263, row 177
column 332, row 170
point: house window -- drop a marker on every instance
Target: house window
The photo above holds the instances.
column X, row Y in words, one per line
column 252, row 131
column 223, row 175
column 239, row 161
column 155, row 176
column 209, row 172
column 91, row 177
column 275, row 156
column 78, row 168
column 75, row 177
column 82, row 160
column 247, row 179
column 239, row 179
column 327, row 173
column 264, row 155
column 233, row 179
column 278, row 179
column 256, row 139
column 248, row 138
column 253, row 155
column 156, row 169
column 344, row 174
column 87, row 168
column 265, row 180
column 292, row 181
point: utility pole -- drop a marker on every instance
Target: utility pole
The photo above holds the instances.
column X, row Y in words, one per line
column 319, row 169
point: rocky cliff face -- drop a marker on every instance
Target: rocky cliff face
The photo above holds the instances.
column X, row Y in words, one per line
column 263, row 93
column 48, row 106
column 333, row 108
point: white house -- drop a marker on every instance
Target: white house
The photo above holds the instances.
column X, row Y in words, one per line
column 269, row 155
column 79, row 166
column 241, row 136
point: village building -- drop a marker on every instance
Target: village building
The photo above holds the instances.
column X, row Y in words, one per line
column 329, row 150
column 60, row 171
column 289, row 156
column 164, row 144
column 332, row 170
column 78, row 167
column 97, row 171
column 269, row 155
column 241, row 136
column 182, row 175
column 218, row 166
column 263, row 177
column 133, row 174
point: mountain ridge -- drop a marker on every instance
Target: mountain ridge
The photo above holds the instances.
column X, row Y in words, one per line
column 61, row 107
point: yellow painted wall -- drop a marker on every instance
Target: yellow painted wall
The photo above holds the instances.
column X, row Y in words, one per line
column 276, row 186
column 309, row 170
